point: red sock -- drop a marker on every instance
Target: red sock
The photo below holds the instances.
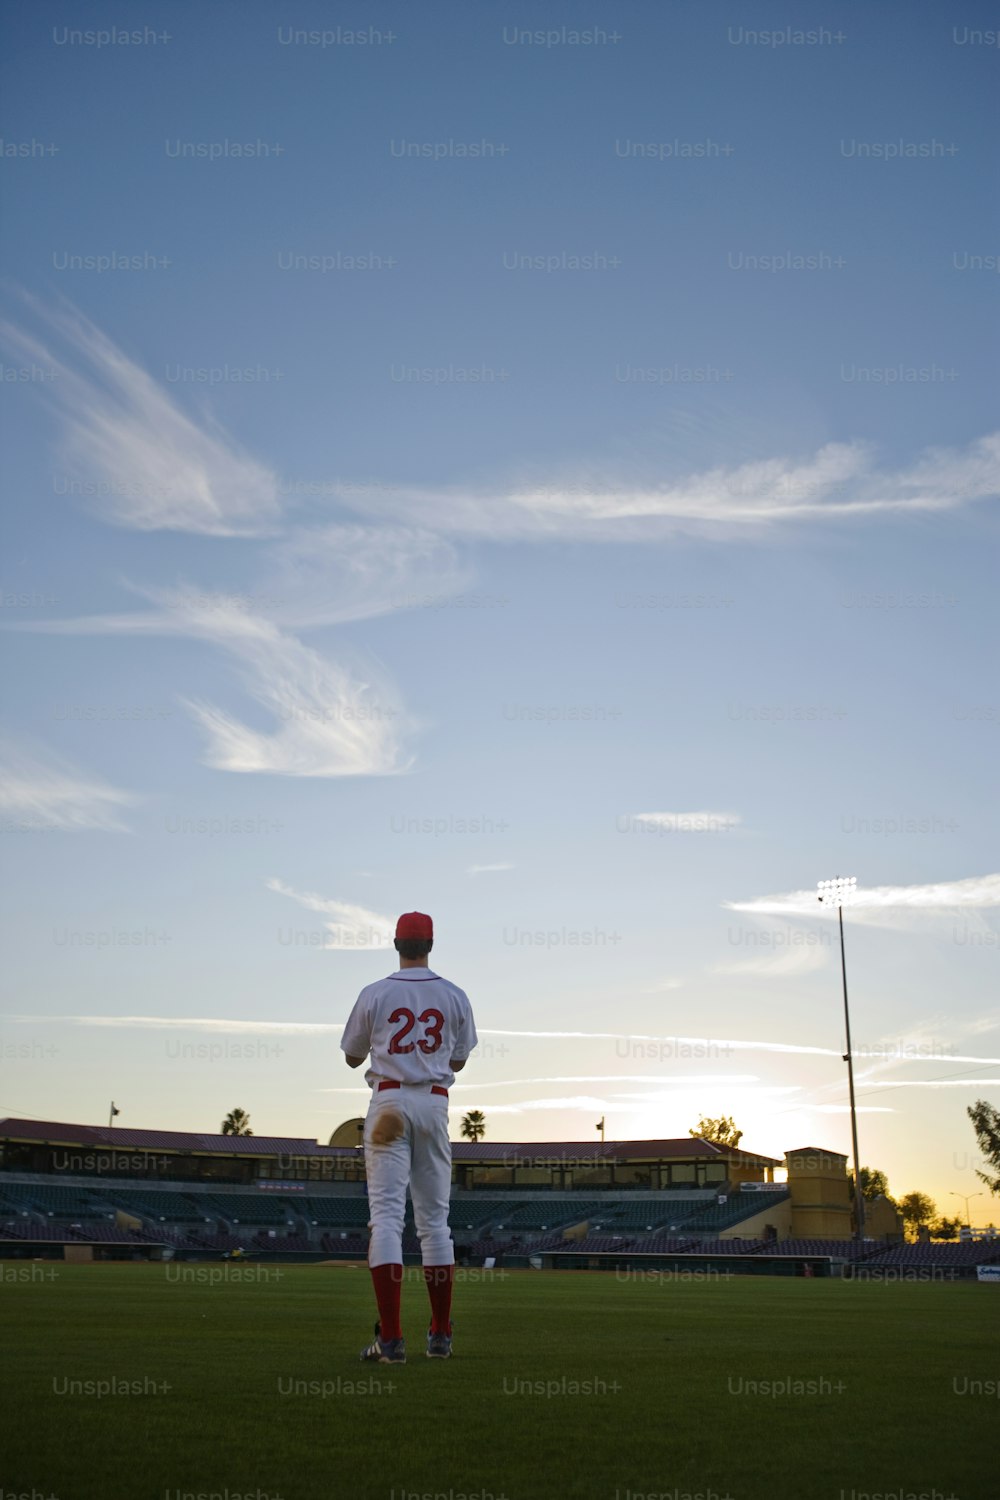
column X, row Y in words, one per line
column 388, row 1283
column 440, row 1280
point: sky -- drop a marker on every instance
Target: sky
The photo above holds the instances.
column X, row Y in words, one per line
column 534, row 464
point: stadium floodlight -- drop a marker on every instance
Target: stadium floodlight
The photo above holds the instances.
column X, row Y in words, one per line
column 838, row 892
column 966, row 1197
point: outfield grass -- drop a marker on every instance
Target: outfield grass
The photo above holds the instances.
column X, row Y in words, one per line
column 667, row 1409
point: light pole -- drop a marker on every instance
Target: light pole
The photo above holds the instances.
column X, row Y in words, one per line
column 835, row 893
column 966, row 1197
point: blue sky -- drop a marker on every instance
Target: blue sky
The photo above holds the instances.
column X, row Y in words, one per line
column 547, row 483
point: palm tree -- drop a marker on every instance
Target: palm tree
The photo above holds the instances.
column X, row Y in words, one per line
column 474, row 1125
column 237, row 1122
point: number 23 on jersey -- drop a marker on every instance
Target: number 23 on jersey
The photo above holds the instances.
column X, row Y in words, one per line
column 431, row 1020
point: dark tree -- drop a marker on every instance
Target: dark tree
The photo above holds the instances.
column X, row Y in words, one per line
column 237, row 1122
column 986, row 1123
column 722, row 1131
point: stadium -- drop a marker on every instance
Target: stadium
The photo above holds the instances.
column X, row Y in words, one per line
column 83, row 1193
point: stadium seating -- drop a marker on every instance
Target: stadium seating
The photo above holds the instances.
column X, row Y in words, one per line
column 728, row 1247
column 600, row 1244
column 61, row 1202
column 471, row 1213
column 664, row 1243
column 341, row 1213
column 39, row 1229
column 249, row 1208
column 210, row 1223
column 354, row 1244
column 283, row 1243
column 12, row 1203
column 222, row 1242
column 109, row 1234
column 635, row 1216
column 547, row 1214
column 171, row 1207
column 718, row 1216
column 965, row 1253
column 844, row 1249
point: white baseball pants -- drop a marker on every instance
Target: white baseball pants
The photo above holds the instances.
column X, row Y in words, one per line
column 422, row 1158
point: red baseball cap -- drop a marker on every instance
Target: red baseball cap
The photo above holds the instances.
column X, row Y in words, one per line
column 415, row 924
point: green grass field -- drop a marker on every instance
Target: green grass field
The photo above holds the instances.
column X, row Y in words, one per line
column 562, row 1385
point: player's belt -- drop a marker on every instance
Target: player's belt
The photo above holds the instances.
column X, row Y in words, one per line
column 390, row 1083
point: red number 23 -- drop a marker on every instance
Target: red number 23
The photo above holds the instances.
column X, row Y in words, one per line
column 429, row 1042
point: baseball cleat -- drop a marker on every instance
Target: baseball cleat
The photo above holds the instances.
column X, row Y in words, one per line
column 438, row 1345
column 385, row 1351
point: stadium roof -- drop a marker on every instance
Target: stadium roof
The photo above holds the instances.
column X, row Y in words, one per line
column 684, row 1146
column 121, row 1138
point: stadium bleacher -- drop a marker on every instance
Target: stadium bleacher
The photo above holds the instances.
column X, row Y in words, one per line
column 728, row 1247
column 645, row 1216
column 221, row 1242
column 842, row 1249
column 353, row 1244
column 56, row 1202
column 665, row 1243
column 170, row 1207
column 469, row 1213
column 283, row 1243
column 39, row 1229
column 249, row 1208
column 339, row 1213
column 110, row 1234
column 967, row 1253
column 603, row 1244
column 716, row 1216
column 547, row 1214
column 202, row 1220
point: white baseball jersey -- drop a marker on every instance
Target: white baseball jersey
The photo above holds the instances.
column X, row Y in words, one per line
column 413, row 1023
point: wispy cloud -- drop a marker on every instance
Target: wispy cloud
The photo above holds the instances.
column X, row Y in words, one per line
column 332, row 721
column 690, row 1079
column 697, row 1044
column 940, row 1083
column 153, row 467
column 141, row 460
column 39, row 790
column 316, row 576
column 188, row 1023
column 886, row 905
column 335, row 573
column 839, row 481
column 352, row 927
column 359, row 919
column 668, row 1097
column 574, row 1101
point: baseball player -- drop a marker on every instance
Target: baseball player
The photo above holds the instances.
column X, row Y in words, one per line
column 419, row 1031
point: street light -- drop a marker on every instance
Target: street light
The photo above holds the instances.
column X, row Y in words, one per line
column 966, row 1197
column 836, row 893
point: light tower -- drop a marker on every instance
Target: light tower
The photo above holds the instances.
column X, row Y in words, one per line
column 838, row 892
